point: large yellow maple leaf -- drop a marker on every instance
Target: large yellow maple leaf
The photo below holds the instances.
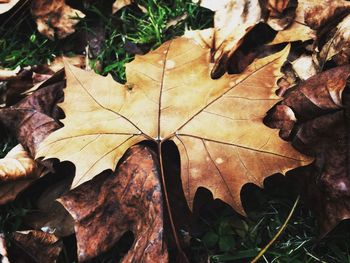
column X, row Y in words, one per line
column 169, row 95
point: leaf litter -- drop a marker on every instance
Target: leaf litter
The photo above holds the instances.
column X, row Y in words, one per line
column 218, row 126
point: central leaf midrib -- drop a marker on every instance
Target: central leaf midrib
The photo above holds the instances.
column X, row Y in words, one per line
column 161, row 90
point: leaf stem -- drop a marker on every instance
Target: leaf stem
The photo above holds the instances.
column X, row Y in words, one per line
column 172, row 225
column 279, row 232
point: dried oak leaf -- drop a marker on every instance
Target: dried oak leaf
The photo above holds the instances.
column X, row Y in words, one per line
column 6, row 5
column 128, row 200
column 35, row 246
column 54, row 18
column 320, row 107
column 216, row 124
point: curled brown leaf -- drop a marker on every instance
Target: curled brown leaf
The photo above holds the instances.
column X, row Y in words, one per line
column 321, row 106
column 128, row 200
column 17, row 164
column 54, row 18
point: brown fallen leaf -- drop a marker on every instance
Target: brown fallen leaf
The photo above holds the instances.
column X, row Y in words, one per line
column 336, row 46
column 321, row 105
column 281, row 13
column 174, row 98
column 33, row 118
column 17, row 172
column 54, row 18
column 128, row 200
column 38, row 246
column 50, row 216
column 17, row 164
column 318, row 13
column 10, row 190
column 25, row 82
column 232, row 21
column 298, row 30
column 6, row 5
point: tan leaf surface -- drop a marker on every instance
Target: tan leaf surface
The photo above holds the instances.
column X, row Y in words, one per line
column 119, row 4
column 298, row 30
column 54, row 18
column 16, row 164
column 217, row 124
column 7, row 5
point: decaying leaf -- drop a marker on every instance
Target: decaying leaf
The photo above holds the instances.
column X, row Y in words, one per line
column 17, row 164
column 50, row 216
column 281, row 13
column 298, row 30
column 174, row 98
column 54, row 18
column 317, row 13
column 321, row 107
column 10, row 190
column 41, row 247
column 33, row 118
column 336, row 46
column 232, row 21
column 25, row 79
column 128, row 200
column 18, row 170
column 6, row 5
